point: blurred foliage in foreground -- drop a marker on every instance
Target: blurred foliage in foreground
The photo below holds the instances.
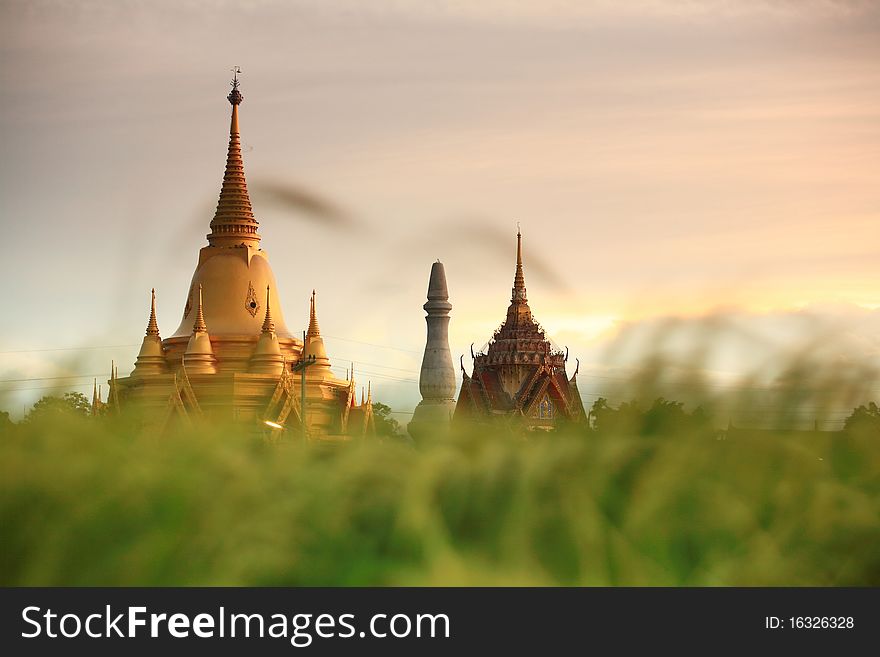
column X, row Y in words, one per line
column 88, row 502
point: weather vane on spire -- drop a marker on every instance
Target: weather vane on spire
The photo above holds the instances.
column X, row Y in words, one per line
column 235, row 96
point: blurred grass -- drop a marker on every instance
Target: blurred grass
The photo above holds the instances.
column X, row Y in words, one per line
column 89, row 502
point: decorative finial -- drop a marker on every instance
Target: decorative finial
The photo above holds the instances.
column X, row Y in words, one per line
column 314, row 330
column 519, row 281
column 268, row 323
column 235, row 96
column 152, row 326
column 199, row 325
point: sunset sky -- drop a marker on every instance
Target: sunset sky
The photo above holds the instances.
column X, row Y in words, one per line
column 667, row 159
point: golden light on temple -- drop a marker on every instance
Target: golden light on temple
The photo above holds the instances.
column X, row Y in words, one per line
column 232, row 358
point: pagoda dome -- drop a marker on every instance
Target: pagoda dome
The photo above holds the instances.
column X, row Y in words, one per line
column 233, row 281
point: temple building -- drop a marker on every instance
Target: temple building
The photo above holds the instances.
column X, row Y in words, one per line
column 520, row 377
column 233, row 358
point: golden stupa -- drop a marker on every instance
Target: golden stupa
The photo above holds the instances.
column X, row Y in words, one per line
column 233, row 358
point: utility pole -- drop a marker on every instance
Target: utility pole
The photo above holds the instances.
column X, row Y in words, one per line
column 301, row 368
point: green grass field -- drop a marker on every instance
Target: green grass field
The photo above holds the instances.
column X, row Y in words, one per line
column 85, row 502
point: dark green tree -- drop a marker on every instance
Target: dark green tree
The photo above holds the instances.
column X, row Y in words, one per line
column 663, row 417
column 864, row 419
column 385, row 424
column 604, row 417
column 48, row 407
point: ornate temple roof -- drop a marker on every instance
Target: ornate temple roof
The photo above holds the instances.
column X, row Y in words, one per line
column 519, row 339
column 520, row 372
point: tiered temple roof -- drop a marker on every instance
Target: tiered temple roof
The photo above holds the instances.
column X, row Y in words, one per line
column 521, row 374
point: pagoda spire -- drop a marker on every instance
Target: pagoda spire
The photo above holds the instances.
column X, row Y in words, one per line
column 314, row 330
column 199, row 325
column 152, row 325
column 314, row 345
column 151, row 357
column 234, row 223
column 519, row 280
column 518, row 313
column 268, row 323
column 199, row 356
column 267, row 357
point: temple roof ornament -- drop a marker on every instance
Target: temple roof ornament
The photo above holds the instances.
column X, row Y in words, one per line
column 267, row 357
column 268, row 324
column 314, row 346
column 151, row 357
column 152, row 325
column 314, row 330
column 519, row 280
column 199, row 325
column 199, row 356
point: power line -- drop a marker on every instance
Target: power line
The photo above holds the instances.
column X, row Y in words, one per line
column 373, row 344
column 361, row 362
column 29, row 351
column 53, row 378
column 58, row 387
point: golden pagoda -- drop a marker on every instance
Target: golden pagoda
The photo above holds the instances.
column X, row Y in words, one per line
column 520, row 376
column 233, row 358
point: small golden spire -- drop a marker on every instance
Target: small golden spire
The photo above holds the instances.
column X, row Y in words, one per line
column 199, row 325
column 369, row 392
column 268, row 324
column 113, row 394
column 314, row 331
column 151, row 357
column 152, row 325
column 199, row 355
